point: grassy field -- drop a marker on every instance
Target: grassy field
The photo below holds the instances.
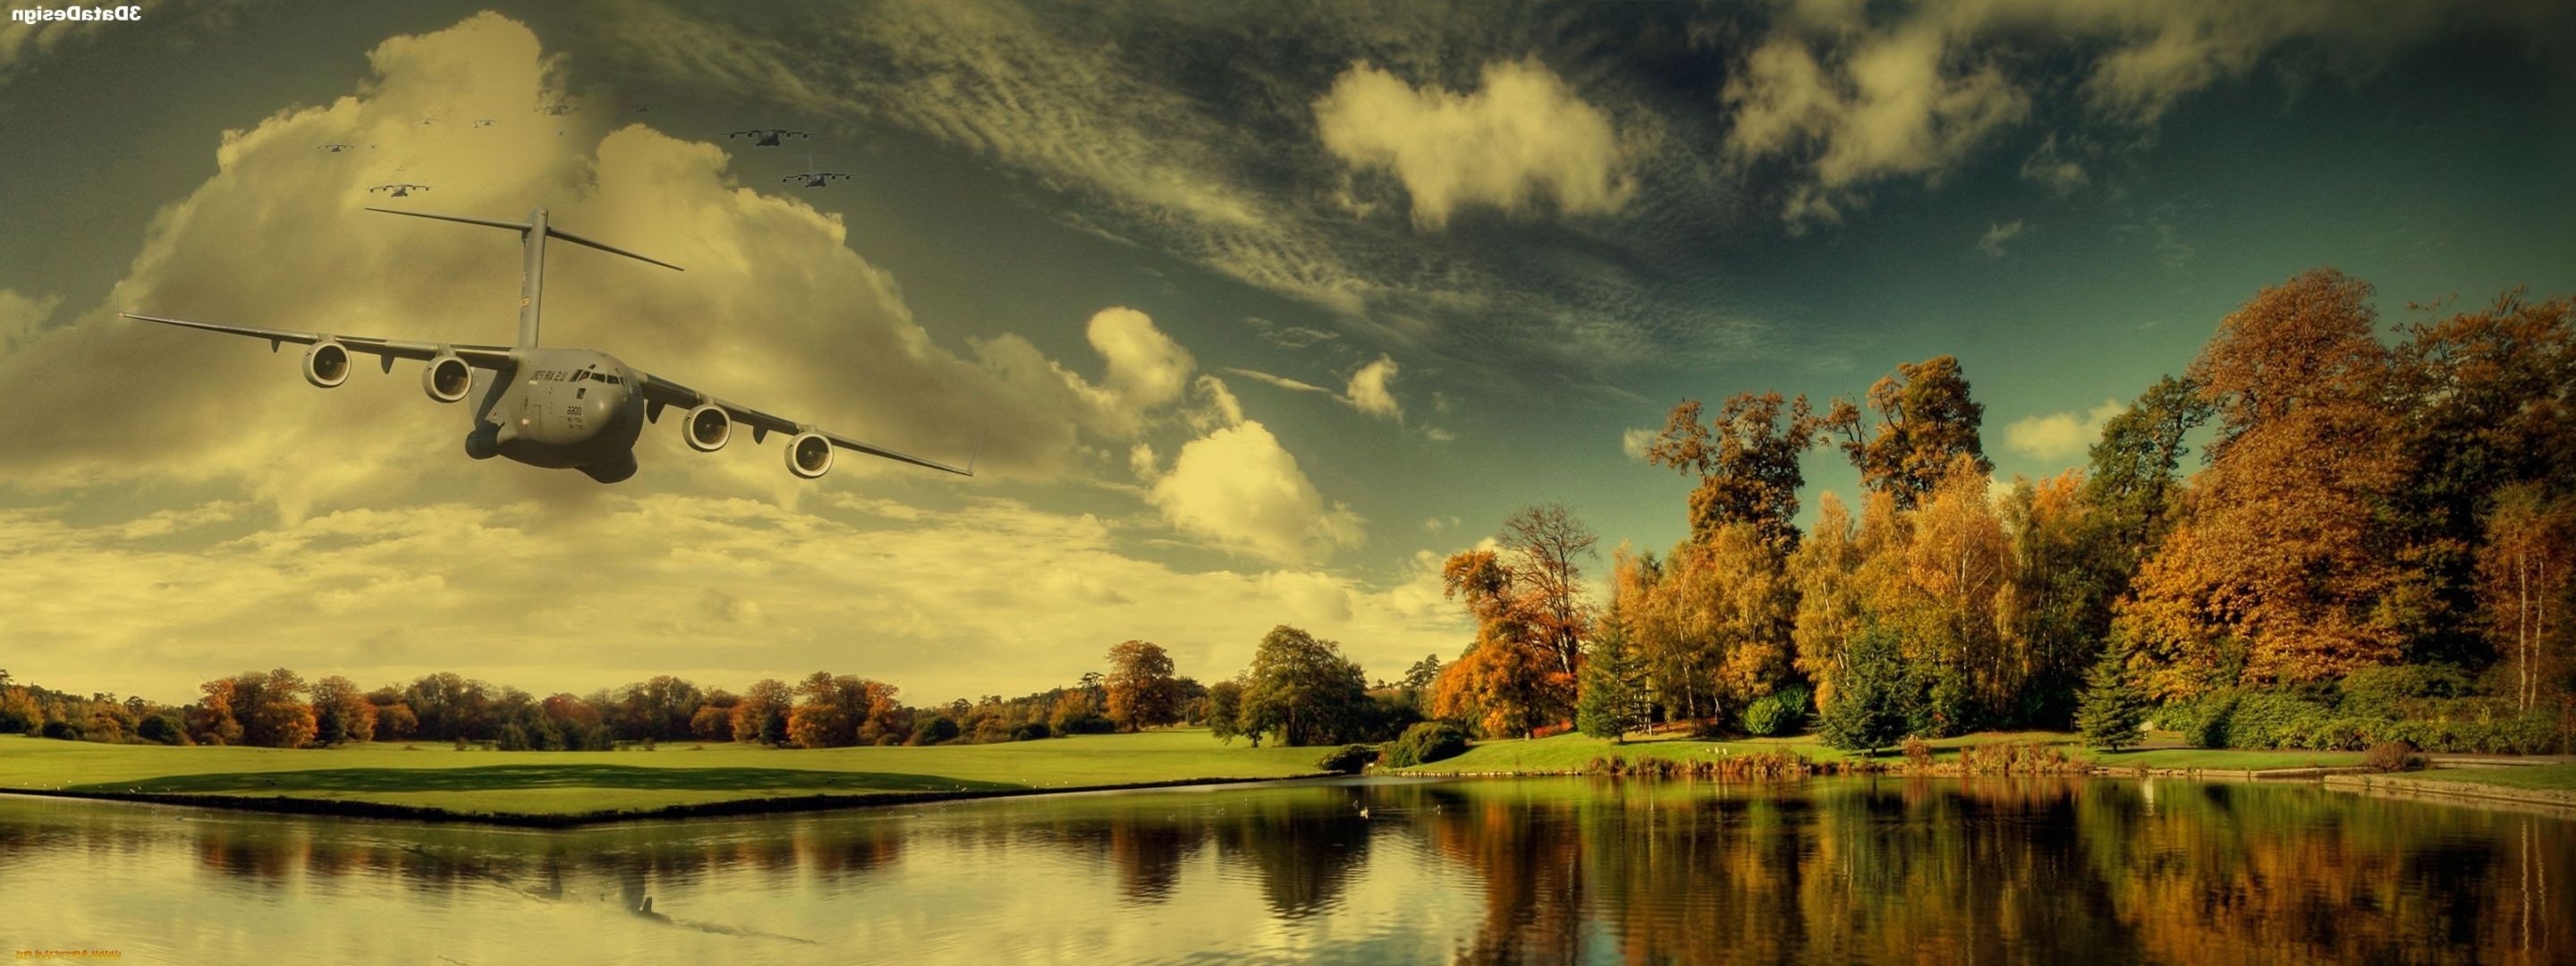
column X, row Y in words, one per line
column 1572, row 752
column 434, row 775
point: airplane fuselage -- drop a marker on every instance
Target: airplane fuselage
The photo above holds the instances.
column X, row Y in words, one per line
column 559, row 409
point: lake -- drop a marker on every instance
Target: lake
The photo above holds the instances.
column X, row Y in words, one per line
column 1493, row 871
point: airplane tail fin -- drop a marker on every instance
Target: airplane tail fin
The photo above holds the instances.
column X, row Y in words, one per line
column 532, row 274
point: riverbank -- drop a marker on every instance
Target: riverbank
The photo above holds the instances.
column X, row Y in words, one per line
column 2551, row 786
column 436, row 782
column 1981, row 753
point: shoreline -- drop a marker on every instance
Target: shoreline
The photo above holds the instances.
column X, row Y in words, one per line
column 2414, row 786
column 785, row 805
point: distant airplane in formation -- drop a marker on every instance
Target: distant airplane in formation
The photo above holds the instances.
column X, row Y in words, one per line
column 767, row 137
column 335, row 147
column 399, row 190
column 558, row 408
column 812, row 177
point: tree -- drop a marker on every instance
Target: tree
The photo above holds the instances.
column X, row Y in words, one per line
column 2528, row 572
column 272, row 709
column 2285, row 556
column 1225, row 710
column 1547, row 544
column 1825, row 573
column 2131, row 483
column 1611, row 703
column 211, row 720
column 1747, row 460
column 824, row 716
column 2112, row 709
column 1142, row 690
column 761, row 715
column 1423, row 672
column 1925, row 419
column 1875, row 703
column 1531, row 618
column 341, row 713
column 1303, row 690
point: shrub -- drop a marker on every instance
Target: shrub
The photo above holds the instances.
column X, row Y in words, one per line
column 2392, row 756
column 1918, row 752
column 1348, row 759
column 1777, row 713
column 1031, row 731
column 2387, row 692
column 933, row 729
column 1427, row 742
column 64, row 730
column 163, row 728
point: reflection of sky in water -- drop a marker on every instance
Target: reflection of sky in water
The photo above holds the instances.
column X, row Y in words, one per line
column 1543, row 870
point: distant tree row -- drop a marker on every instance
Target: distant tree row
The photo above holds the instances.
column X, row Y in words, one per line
column 280, row 709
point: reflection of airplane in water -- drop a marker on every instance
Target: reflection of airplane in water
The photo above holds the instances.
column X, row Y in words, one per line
column 559, row 408
column 399, row 190
column 767, row 137
column 813, row 178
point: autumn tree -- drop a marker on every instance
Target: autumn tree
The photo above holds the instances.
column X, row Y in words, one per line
column 1302, row 690
column 2528, row 573
column 272, row 709
column 1924, row 420
column 1532, row 616
column 2282, row 568
column 826, row 713
column 1955, row 567
column 1746, row 458
column 1141, row 689
column 212, row 720
column 1825, row 572
column 761, row 715
column 2055, row 604
column 341, row 713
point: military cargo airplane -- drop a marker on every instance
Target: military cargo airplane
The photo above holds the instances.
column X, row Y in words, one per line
column 813, row 178
column 558, row 408
column 767, row 137
column 400, row 189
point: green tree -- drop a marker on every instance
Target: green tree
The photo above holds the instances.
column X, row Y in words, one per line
column 1613, row 701
column 1925, row 419
column 1747, row 460
column 1303, row 690
column 1225, row 710
column 761, row 715
column 1874, row 704
column 2113, row 707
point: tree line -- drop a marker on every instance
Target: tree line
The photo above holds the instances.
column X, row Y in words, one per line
column 2377, row 544
column 281, row 709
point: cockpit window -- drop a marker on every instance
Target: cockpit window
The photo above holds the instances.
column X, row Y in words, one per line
column 582, row 374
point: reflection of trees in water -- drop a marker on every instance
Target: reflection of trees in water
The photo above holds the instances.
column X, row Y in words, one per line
column 2003, row 870
column 1304, row 847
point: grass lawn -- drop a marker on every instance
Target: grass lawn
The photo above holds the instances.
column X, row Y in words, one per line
column 2229, row 759
column 434, row 775
column 2552, row 777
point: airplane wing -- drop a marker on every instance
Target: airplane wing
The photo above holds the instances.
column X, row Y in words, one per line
column 663, row 392
column 478, row 356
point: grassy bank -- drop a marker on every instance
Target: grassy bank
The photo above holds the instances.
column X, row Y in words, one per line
column 1575, row 753
column 2559, row 777
column 437, row 777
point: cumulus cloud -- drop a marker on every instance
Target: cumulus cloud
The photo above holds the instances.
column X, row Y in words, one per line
column 774, row 311
column 1525, row 132
column 2060, row 436
column 1991, row 244
column 1368, row 391
column 1240, row 490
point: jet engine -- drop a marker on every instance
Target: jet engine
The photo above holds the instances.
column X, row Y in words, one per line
column 708, row 428
column 447, row 379
column 326, row 364
column 809, row 455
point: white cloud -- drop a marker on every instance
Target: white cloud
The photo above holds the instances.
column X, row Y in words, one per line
column 1635, row 440
column 1999, row 234
column 810, row 330
column 1437, row 524
column 1282, row 382
column 1240, row 490
column 2052, row 170
column 1525, row 132
column 2060, row 436
column 1368, row 390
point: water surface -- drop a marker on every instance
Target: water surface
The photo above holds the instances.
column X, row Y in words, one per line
column 1496, row 871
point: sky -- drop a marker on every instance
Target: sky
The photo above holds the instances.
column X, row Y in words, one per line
column 1251, row 314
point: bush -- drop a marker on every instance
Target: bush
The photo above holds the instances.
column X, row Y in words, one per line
column 1348, row 759
column 1918, row 752
column 2388, row 692
column 1427, row 742
column 1777, row 713
column 64, row 730
column 163, row 728
column 2392, row 756
column 1031, row 731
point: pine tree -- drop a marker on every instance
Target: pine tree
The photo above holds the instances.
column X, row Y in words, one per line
column 1610, row 703
column 2113, row 708
column 1874, row 699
